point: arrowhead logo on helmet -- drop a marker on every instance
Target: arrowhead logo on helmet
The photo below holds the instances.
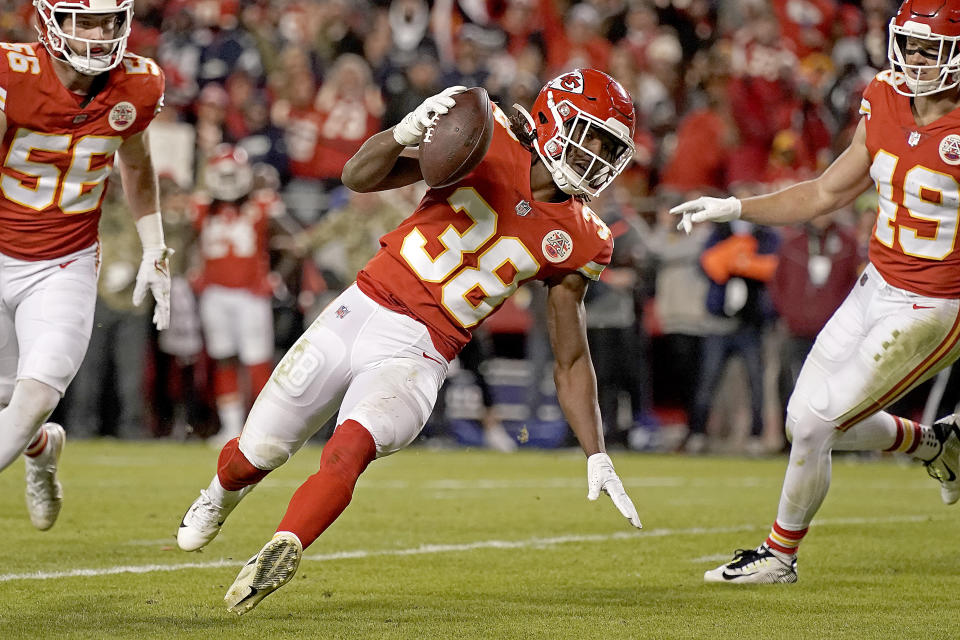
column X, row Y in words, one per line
column 583, row 123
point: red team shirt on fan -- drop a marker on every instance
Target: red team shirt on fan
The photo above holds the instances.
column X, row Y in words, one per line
column 469, row 246
column 234, row 241
column 917, row 173
column 320, row 142
column 57, row 154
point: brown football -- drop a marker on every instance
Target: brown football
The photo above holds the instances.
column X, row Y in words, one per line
column 456, row 142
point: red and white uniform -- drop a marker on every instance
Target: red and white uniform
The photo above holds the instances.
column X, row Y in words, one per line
column 900, row 324
column 469, row 246
column 233, row 241
column 917, row 171
column 58, row 152
column 380, row 351
column 56, row 155
column 235, row 306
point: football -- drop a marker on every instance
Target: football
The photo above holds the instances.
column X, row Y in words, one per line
column 456, row 142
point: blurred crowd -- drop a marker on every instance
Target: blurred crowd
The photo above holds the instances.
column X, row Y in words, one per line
column 706, row 330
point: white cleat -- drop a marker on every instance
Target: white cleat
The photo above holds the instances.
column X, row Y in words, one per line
column 946, row 466
column 754, row 566
column 203, row 520
column 44, row 493
column 265, row 572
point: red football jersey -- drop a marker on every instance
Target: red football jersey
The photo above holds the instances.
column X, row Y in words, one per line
column 917, row 172
column 469, row 246
column 57, row 153
column 234, row 241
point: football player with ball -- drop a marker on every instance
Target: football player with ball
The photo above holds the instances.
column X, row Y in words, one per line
column 901, row 323
column 378, row 354
column 69, row 105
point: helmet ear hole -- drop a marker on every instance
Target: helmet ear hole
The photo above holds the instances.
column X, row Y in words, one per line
column 542, row 117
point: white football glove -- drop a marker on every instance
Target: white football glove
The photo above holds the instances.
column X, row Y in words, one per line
column 154, row 274
column 704, row 209
column 602, row 477
column 409, row 132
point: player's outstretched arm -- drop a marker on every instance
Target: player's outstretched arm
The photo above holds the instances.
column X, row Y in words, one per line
column 143, row 194
column 845, row 179
column 577, row 389
column 382, row 162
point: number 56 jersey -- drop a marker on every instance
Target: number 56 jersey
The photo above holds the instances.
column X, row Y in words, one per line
column 469, row 246
column 916, row 168
column 57, row 151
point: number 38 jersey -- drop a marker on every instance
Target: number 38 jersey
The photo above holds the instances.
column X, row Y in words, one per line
column 57, row 152
column 469, row 246
column 915, row 242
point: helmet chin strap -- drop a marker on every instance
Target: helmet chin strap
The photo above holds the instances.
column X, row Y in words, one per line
column 556, row 171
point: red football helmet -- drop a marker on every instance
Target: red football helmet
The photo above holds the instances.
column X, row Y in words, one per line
column 928, row 28
column 228, row 175
column 58, row 29
column 569, row 113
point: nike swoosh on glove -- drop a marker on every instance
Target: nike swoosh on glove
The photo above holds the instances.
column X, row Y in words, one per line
column 154, row 274
column 602, row 477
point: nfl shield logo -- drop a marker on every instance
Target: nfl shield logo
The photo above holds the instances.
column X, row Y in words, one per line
column 523, row 208
column 914, row 138
column 342, row 311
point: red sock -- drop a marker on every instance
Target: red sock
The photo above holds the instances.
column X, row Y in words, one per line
column 37, row 446
column 785, row 540
column 225, row 380
column 323, row 497
column 234, row 470
column 258, row 375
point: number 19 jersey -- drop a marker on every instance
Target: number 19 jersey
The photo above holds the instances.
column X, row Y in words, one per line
column 469, row 246
column 917, row 173
column 57, row 151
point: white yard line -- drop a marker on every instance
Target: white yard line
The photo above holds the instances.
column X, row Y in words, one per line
column 426, row 549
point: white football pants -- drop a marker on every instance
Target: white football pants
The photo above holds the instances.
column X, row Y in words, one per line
column 375, row 366
column 881, row 342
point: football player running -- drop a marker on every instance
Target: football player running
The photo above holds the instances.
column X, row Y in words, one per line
column 234, row 223
column 901, row 323
column 379, row 353
column 69, row 104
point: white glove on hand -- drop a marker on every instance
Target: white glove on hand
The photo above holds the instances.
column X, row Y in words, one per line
column 602, row 477
column 706, row 208
column 154, row 274
column 409, row 132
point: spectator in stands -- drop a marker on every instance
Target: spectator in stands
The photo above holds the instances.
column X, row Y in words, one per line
column 739, row 259
column 180, row 403
column 613, row 329
column 817, row 263
column 107, row 395
column 680, row 307
column 706, row 135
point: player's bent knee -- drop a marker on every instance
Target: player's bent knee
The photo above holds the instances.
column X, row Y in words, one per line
column 265, row 455
column 805, row 427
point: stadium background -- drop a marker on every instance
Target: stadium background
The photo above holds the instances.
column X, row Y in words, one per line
column 735, row 97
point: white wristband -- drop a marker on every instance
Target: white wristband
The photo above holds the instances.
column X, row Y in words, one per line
column 150, row 228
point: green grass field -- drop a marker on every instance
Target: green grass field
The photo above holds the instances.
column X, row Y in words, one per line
column 471, row 544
